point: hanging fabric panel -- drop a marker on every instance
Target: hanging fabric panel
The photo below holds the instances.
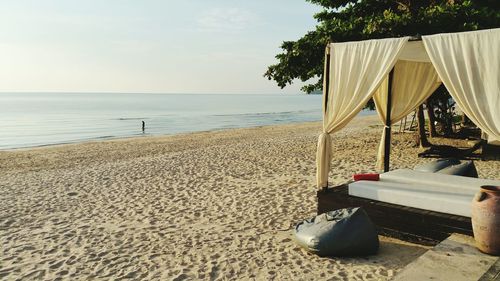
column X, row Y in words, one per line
column 469, row 65
column 413, row 82
column 356, row 71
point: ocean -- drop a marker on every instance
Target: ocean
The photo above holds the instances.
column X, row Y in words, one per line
column 39, row 119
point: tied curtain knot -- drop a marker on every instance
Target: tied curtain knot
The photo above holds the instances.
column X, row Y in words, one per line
column 323, row 158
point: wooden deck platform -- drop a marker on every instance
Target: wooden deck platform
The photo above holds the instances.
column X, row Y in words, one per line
column 405, row 223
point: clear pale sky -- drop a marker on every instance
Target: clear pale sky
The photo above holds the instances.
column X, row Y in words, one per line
column 182, row 46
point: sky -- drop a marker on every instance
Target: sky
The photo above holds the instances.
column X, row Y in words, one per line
column 181, row 46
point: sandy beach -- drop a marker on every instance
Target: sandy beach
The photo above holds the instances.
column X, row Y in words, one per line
column 210, row 206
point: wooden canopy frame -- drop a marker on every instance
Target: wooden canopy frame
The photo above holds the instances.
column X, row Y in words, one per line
column 388, row 126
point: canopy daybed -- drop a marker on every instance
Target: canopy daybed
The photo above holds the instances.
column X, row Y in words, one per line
column 400, row 74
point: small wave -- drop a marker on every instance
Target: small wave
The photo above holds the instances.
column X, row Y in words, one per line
column 131, row 118
column 265, row 113
column 102, row 137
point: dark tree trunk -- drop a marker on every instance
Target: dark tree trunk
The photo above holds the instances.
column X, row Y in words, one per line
column 465, row 120
column 432, row 119
column 423, row 142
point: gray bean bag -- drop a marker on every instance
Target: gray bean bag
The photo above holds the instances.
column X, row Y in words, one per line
column 344, row 232
column 449, row 166
column 466, row 169
column 436, row 165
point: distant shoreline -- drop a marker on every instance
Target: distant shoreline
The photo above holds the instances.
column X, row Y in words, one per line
column 142, row 136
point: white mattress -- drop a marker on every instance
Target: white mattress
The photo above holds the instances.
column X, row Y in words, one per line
column 436, row 179
column 428, row 191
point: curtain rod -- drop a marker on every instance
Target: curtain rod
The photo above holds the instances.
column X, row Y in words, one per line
column 415, row 38
column 412, row 38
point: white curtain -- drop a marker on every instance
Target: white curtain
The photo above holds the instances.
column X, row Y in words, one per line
column 469, row 65
column 356, row 71
column 412, row 83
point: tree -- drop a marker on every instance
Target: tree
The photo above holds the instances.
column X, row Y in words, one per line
column 443, row 110
column 432, row 118
column 423, row 142
column 351, row 20
column 348, row 20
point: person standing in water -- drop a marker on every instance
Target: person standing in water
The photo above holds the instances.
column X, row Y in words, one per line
column 143, row 126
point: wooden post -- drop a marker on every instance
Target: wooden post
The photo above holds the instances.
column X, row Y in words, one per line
column 327, row 78
column 387, row 131
column 327, row 87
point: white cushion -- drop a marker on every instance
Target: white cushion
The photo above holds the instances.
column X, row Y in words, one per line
column 429, row 191
column 412, row 196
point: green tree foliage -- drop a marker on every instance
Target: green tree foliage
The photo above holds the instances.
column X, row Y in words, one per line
column 350, row 20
